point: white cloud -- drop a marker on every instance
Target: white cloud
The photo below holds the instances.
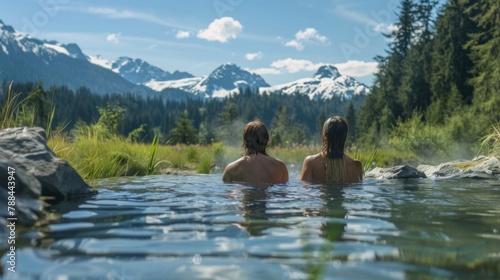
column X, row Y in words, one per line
column 353, row 68
column 356, row 68
column 266, row 71
column 221, row 30
column 306, row 35
column 182, row 34
column 310, row 34
column 295, row 44
column 384, row 28
column 291, row 65
column 114, row 38
column 253, row 56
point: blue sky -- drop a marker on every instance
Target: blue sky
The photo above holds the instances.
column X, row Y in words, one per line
column 280, row 40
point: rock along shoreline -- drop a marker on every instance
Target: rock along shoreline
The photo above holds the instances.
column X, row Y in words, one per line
column 481, row 167
column 29, row 170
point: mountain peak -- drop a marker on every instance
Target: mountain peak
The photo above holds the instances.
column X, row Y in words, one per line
column 5, row 27
column 231, row 67
column 325, row 84
column 229, row 75
column 327, row 71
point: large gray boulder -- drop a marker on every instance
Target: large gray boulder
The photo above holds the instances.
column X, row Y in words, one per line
column 28, row 150
column 396, row 172
column 443, row 170
column 32, row 170
column 478, row 168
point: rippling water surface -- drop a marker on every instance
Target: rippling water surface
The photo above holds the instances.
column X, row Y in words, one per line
column 195, row 227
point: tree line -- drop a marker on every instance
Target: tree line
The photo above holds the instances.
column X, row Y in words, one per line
column 292, row 119
column 438, row 82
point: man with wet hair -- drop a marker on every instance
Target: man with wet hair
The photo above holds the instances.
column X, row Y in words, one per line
column 332, row 165
column 256, row 167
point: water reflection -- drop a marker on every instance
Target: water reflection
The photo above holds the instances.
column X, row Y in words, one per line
column 333, row 211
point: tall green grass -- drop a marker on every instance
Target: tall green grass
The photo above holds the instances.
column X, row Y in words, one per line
column 490, row 144
column 16, row 112
column 94, row 156
column 8, row 112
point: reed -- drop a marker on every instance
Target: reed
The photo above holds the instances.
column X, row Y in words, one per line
column 8, row 112
column 152, row 155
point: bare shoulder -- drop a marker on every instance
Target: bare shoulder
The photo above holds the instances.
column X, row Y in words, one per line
column 353, row 162
column 232, row 170
column 283, row 171
column 356, row 167
column 312, row 158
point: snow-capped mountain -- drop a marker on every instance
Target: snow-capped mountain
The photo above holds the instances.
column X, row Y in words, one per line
column 71, row 49
column 325, row 83
column 223, row 81
column 138, row 71
column 27, row 59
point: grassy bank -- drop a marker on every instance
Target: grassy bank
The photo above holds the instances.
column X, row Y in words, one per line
column 95, row 157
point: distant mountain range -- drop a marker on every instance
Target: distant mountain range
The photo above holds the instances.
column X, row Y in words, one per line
column 27, row 59
column 226, row 79
column 137, row 71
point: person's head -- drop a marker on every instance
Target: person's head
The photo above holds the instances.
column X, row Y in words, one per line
column 255, row 138
column 334, row 137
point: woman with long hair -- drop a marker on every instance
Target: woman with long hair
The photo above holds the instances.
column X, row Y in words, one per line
column 332, row 165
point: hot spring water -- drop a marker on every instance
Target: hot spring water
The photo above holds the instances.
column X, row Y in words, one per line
column 195, row 227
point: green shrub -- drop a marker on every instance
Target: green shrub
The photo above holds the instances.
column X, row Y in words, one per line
column 429, row 141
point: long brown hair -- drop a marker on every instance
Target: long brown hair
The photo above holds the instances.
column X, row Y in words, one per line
column 255, row 138
column 334, row 137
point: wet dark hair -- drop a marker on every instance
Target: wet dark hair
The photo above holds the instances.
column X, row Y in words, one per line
column 334, row 137
column 255, row 138
column 335, row 131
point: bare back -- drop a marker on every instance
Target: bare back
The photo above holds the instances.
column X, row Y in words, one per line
column 313, row 170
column 256, row 170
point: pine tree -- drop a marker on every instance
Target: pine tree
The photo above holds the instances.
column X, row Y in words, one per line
column 184, row 132
column 451, row 61
column 351, row 121
column 415, row 93
column 485, row 53
column 387, row 98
